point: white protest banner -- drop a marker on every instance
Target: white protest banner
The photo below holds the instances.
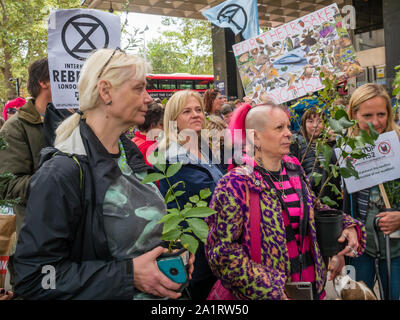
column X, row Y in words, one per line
column 283, row 63
column 381, row 164
column 72, row 35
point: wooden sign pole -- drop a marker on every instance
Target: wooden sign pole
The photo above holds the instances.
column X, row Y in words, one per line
column 384, row 196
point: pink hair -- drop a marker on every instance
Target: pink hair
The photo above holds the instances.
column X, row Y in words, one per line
column 237, row 121
column 16, row 103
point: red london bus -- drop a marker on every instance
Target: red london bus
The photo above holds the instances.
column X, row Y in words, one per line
column 164, row 85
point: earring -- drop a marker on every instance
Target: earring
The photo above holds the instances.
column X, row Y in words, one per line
column 109, row 103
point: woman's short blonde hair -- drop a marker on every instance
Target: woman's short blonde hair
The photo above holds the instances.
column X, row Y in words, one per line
column 173, row 108
column 364, row 93
column 111, row 65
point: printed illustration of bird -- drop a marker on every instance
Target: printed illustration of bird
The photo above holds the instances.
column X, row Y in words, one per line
column 353, row 70
column 259, row 41
column 322, row 57
column 289, row 44
column 272, row 73
column 262, row 59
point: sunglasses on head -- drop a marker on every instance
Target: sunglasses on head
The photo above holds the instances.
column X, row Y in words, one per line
column 12, row 110
column 109, row 59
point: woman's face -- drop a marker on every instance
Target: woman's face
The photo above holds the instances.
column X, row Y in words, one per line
column 275, row 139
column 129, row 102
column 314, row 127
column 218, row 103
column 374, row 111
column 191, row 117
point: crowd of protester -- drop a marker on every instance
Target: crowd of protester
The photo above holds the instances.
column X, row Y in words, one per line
column 83, row 209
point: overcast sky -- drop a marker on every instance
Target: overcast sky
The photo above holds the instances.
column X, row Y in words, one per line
column 140, row 20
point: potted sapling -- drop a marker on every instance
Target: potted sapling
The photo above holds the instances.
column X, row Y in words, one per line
column 183, row 228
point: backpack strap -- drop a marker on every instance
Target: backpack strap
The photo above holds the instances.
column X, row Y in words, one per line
column 79, row 165
column 255, row 230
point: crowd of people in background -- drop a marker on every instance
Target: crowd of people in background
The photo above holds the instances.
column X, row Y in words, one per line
column 83, row 209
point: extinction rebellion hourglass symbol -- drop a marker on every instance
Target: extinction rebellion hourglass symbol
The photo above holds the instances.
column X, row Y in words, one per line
column 78, row 42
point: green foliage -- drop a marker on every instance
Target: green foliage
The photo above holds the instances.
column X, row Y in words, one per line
column 396, row 83
column 186, row 50
column 23, row 38
column 181, row 224
column 392, row 188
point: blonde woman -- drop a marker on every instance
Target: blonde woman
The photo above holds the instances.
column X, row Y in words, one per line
column 88, row 216
column 183, row 121
column 371, row 103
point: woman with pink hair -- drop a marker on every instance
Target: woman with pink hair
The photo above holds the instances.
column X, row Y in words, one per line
column 11, row 107
column 263, row 235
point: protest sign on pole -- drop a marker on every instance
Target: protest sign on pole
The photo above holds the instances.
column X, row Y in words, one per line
column 380, row 164
column 285, row 63
column 72, row 35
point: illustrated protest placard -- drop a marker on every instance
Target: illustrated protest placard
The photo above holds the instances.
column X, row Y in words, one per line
column 282, row 63
column 380, row 165
column 72, row 35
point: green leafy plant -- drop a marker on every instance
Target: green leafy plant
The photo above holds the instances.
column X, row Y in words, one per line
column 396, row 83
column 181, row 224
column 336, row 126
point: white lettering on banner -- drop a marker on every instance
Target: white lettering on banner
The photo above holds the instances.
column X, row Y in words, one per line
column 378, row 166
column 72, row 35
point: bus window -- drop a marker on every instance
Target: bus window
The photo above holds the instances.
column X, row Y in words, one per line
column 151, row 84
column 166, row 84
column 201, row 84
column 184, row 84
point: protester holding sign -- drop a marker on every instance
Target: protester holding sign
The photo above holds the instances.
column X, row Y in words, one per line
column 91, row 229
column 256, row 251
column 370, row 103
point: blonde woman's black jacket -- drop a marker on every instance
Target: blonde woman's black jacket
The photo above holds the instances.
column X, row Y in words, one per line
column 64, row 226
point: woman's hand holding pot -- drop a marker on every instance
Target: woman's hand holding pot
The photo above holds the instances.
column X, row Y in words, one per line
column 148, row 278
